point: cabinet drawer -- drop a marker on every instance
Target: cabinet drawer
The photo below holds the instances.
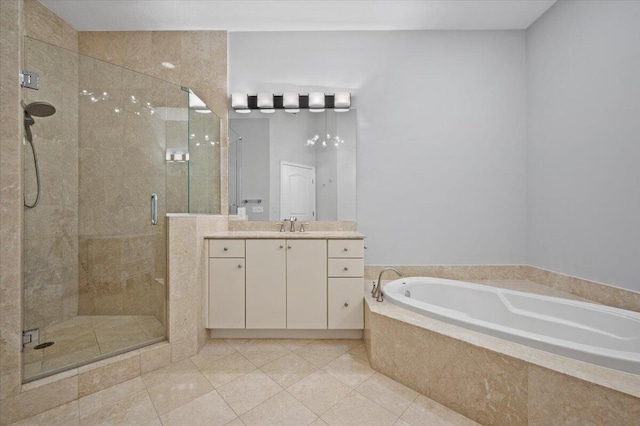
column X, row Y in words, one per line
column 346, row 248
column 346, row 303
column 226, row 248
column 346, row 267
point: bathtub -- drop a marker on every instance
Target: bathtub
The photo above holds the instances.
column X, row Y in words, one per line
column 598, row 334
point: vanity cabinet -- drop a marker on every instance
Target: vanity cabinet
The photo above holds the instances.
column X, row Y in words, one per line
column 227, row 290
column 306, row 284
column 266, row 286
column 285, row 283
column 346, row 271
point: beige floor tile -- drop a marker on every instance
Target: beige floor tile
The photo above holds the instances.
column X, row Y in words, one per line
column 360, row 352
column 281, row 410
column 175, row 386
column 288, row 369
column 318, row 422
column 169, row 372
column 249, row 391
column 212, row 350
column 349, row 370
column 320, row 353
column 319, row 391
column 64, row 415
column 425, row 411
column 209, row 409
column 137, row 409
column 111, row 395
column 154, row 422
column 236, row 422
column 226, row 369
column 293, row 344
column 388, row 393
column 263, row 352
column 401, row 422
column 355, row 410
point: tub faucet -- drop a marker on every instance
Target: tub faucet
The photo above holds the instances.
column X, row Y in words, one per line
column 377, row 290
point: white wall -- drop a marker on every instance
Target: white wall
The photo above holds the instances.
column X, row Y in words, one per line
column 584, row 141
column 441, row 132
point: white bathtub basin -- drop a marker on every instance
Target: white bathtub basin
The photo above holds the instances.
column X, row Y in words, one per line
column 598, row 334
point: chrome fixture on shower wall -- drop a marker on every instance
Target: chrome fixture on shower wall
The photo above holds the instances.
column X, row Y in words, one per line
column 35, row 109
column 290, row 102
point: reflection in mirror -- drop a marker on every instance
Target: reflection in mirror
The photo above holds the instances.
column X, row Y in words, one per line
column 193, row 158
column 302, row 165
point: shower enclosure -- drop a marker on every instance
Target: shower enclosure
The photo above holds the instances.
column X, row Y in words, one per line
column 95, row 243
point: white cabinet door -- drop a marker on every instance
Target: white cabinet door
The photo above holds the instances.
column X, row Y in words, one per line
column 266, row 298
column 226, row 293
column 307, row 284
column 346, row 303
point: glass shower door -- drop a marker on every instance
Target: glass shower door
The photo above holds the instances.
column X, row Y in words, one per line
column 95, row 264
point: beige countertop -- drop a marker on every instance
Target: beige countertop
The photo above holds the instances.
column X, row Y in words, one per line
column 309, row 235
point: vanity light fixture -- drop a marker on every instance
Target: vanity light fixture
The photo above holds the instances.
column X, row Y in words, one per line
column 265, row 103
column 240, row 103
column 291, row 102
column 316, row 102
column 342, row 101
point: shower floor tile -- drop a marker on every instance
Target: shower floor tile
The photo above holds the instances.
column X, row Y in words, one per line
column 86, row 337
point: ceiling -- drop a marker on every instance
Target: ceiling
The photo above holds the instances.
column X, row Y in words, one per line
column 297, row 15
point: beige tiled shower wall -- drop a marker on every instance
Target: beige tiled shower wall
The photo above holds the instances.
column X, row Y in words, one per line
column 51, row 228
column 200, row 59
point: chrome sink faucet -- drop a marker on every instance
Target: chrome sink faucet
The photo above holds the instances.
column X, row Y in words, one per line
column 376, row 293
column 292, row 219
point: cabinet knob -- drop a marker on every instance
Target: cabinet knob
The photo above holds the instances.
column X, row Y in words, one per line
column 281, row 246
column 346, row 269
column 289, row 247
column 346, row 304
column 346, row 249
column 225, row 249
column 239, row 266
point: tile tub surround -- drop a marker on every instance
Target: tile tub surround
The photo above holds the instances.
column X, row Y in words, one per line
column 491, row 380
column 585, row 289
column 258, row 382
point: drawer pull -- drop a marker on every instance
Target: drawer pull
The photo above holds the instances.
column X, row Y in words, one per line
column 281, row 246
column 346, row 269
column 289, row 247
column 346, row 304
column 239, row 266
column 225, row 249
column 346, row 249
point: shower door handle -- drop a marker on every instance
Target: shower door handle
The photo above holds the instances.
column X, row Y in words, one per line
column 154, row 209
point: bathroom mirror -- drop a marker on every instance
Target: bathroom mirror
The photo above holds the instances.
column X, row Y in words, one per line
column 301, row 165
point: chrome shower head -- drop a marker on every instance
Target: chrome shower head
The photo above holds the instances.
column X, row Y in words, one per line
column 39, row 109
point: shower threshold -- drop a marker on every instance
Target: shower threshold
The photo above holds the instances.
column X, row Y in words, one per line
column 86, row 339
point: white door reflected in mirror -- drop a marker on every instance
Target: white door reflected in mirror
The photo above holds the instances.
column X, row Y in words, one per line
column 297, row 191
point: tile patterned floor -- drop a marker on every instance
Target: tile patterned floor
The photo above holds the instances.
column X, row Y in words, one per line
column 85, row 337
column 259, row 382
